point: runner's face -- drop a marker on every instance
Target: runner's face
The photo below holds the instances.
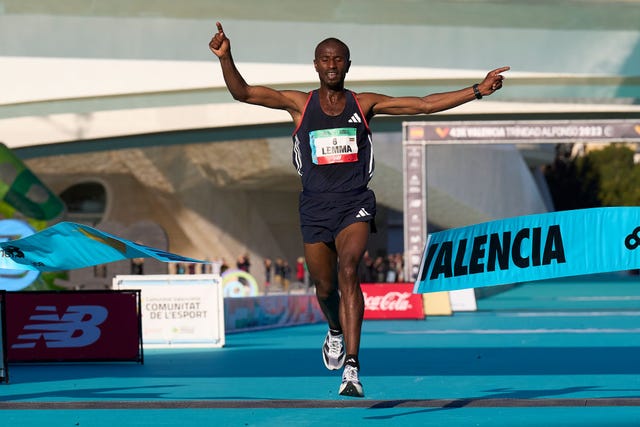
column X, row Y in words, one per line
column 332, row 64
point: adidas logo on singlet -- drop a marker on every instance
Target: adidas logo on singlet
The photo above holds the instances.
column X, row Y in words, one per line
column 362, row 213
column 355, row 119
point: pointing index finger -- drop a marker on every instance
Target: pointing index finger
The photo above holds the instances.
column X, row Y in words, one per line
column 219, row 25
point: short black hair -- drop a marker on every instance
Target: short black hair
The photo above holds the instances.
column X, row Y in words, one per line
column 336, row 41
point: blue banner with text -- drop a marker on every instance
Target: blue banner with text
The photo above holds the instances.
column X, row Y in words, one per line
column 530, row 248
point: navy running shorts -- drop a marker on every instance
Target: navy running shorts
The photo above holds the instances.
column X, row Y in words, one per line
column 324, row 215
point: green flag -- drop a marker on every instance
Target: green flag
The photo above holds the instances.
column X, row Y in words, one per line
column 21, row 189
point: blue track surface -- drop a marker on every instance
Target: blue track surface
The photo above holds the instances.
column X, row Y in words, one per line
column 554, row 353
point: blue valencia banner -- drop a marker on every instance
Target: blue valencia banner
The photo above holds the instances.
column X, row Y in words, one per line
column 530, row 248
column 67, row 246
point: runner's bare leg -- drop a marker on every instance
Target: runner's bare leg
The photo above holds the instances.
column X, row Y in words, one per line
column 344, row 310
column 351, row 244
column 322, row 265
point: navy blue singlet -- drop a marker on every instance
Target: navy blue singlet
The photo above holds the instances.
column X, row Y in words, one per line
column 333, row 154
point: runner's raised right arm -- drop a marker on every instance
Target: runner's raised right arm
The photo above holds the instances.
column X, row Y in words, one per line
column 291, row 101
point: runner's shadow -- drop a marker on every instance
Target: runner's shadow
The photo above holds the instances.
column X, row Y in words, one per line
column 501, row 398
column 141, row 392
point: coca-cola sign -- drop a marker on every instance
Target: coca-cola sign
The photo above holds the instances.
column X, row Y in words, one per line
column 391, row 301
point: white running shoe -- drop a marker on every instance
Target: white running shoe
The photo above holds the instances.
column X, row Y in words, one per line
column 351, row 385
column 333, row 351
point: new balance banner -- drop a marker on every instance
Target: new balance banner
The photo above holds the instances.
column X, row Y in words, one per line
column 67, row 246
column 533, row 247
column 23, row 191
column 391, row 301
column 73, row 326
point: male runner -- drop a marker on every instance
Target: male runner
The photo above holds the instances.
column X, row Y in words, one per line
column 333, row 155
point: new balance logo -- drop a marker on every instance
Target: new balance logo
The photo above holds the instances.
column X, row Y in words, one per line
column 355, row 118
column 77, row 327
column 362, row 213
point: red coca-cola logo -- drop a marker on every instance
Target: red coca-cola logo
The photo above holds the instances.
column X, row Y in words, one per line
column 392, row 301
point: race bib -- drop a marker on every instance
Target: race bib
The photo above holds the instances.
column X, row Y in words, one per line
column 330, row 146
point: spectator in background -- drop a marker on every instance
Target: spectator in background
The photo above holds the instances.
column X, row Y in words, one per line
column 205, row 268
column 286, row 276
column 192, row 268
column 365, row 270
column 307, row 278
column 399, row 261
column 268, row 265
column 137, row 266
column 391, row 269
column 278, row 272
column 216, row 266
column 380, row 269
column 180, row 268
column 223, row 266
column 243, row 263
column 300, row 269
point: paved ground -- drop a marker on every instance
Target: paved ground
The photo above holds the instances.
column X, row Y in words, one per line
column 555, row 353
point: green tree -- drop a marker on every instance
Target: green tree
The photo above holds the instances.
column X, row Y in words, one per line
column 606, row 177
column 618, row 175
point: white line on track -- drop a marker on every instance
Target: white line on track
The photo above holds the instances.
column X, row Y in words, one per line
column 520, row 331
column 572, row 314
column 602, row 298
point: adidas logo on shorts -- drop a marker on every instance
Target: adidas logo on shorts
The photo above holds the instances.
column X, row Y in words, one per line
column 362, row 213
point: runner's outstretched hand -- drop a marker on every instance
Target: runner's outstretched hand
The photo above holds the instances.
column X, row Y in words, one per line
column 493, row 81
column 219, row 43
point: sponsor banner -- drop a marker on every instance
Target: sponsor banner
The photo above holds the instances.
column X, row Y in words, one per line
column 437, row 304
column 547, row 131
column 73, row 326
column 530, row 248
column 23, row 191
column 4, row 367
column 271, row 311
column 463, row 300
column 10, row 279
column 391, row 301
column 68, row 246
column 182, row 310
column 239, row 284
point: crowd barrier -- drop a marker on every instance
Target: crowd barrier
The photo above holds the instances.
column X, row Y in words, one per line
column 270, row 311
column 382, row 301
column 174, row 310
